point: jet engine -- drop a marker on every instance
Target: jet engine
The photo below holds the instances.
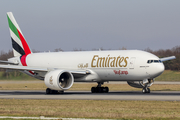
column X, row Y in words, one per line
column 59, row 80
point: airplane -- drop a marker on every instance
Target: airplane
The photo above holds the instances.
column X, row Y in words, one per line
column 59, row 70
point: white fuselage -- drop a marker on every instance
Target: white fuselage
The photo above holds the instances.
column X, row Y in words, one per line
column 120, row 65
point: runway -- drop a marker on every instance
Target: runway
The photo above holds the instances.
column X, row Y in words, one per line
column 87, row 95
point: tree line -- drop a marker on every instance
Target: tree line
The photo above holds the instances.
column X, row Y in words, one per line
column 171, row 64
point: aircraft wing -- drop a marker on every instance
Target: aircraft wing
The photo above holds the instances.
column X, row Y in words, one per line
column 17, row 67
column 38, row 69
column 167, row 58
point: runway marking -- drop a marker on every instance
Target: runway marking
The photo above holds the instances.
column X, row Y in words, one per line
column 48, row 118
column 87, row 95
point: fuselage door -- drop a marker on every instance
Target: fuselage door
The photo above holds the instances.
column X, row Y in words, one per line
column 132, row 62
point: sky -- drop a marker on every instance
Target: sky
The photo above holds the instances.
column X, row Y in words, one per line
column 93, row 24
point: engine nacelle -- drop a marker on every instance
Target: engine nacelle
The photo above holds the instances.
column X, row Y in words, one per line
column 59, row 80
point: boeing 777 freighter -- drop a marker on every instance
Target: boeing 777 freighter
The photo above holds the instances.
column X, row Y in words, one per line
column 60, row 70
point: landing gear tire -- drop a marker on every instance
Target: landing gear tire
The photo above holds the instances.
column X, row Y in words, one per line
column 93, row 89
column 146, row 90
column 99, row 89
column 49, row 91
column 60, row 92
column 106, row 89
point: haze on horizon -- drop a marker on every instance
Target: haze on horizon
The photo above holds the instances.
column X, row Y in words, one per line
column 88, row 25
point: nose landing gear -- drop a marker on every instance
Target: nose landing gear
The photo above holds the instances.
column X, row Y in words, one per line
column 147, row 84
column 100, row 89
column 145, row 90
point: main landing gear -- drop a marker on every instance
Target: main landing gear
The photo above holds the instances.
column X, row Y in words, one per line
column 100, row 89
column 49, row 91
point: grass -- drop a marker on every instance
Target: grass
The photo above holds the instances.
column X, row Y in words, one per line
column 169, row 75
column 103, row 109
column 15, row 75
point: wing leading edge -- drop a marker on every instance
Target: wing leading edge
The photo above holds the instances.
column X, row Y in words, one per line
column 16, row 67
column 37, row 69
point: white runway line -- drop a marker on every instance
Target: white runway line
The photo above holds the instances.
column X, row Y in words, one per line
column 48, row 118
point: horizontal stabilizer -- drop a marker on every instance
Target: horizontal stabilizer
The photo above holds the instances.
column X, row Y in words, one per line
column 8, row 62
column 167, row 58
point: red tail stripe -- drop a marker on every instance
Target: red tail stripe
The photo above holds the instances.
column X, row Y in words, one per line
column 26, row 50
column 24, row 43
column 23, row 60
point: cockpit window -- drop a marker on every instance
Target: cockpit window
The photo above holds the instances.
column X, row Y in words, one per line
column 154, row 61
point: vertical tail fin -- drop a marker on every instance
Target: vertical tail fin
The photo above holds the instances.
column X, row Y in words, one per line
column 19, row 44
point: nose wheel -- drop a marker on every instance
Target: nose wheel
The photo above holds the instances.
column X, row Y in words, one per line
column 99, row 89
column 145, row 90
column 146, row 85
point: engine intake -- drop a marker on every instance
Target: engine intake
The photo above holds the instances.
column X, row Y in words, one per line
column 59, row 80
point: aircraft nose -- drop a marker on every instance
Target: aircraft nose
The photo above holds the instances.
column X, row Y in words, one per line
column 160, row 68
